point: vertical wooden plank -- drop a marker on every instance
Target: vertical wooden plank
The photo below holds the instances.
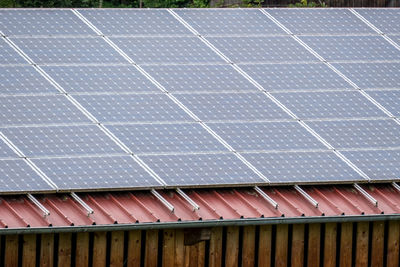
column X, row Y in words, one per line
column 330, row 245
column 346, row 244
column 362, row 244
column 134, row 248
column 117, row 248
column 249, row 242
column 232, row 246
column 11, row 250
column 187, row 256
column 314, row 244
column 64, row 249
column 29, row 250
column 378, row 237
column 201, row 252
column 264, row 246
column 179, row 247
column 215, row 257
column 298, row 245
column 281, row 245
column 168, row 247
column 393, row 242
column 151, row 250
column 99, row 249
column 82, row 249
column 47, row 250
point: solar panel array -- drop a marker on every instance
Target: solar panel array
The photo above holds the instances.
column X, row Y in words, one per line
column 99, row 99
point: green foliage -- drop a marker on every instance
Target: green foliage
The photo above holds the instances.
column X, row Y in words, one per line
column 304, row 3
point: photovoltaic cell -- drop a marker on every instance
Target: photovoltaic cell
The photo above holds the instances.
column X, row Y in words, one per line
column 229, row 22
column 8, row 54
column 102, row 79
column 377, row 164
column 320, row 21
column 6, row 151
column 31, row 110
column 395, row 38
column 385, row 19
column 201, row 169
column 157, row 50
column 166, row 138
column 132, row 108
column 266, row 136
column 308, row 167
column 288, row 77
column 61, row 140
column 333, row 104
column 233, row 107
column 388, row 99
column 198, row 78
column 359, row 133
column 76, row 173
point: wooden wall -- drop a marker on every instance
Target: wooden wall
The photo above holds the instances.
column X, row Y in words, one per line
column 331, row 244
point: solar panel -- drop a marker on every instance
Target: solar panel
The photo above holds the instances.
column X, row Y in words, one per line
column 377, row 164
column 61, row 140
column 320, row 21
column 289, row 77
column 80, row 173
column 34, row 110
column 388, row 99
column 266, row 136
column 386, row 20
column 8, row 54
column 201, row 169
column 229, row 22
column 359, row 133
column 232, row 107
column 166, row 138
column 323, row 105
column 395, row 38
column 101, row 79
column 272, row 49
column 199, row 78
column 132, row 108
column 68, row 50
column 6, row 151
column 306, row 167
column 167, row 50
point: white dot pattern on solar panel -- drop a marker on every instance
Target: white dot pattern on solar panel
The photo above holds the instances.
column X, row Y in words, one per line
column 235, row 106
column 386, row 20
column 395, row 38
column 302, row 167
column 61, row 140
column 42, row 22
column 6, row 151
column 106, row 79
column 197, row 78
column 388, row 99
column 201, row 169
column 8, row 55
column 166, row 138
column 359, row 133
column 95, row 172
column 25, row 110
column 377, row 164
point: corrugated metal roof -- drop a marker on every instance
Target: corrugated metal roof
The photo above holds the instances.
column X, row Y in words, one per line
column 136, row 207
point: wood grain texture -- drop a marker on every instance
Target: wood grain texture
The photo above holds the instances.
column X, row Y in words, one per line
column 346, row 244
column 232, row 246
column 179, row 247
column 47, row 250
column 393, row 242
column 314, row 245
column 298, row 245
column 82, row 249
column 64, row 249
column 330, row 245
column 281, row 245
column 99, row 249
column 249, row 242
column 11, row 250
column 117, row 248
column 215, row 255
column 264, row 246
column 378, row 244
column 151, row 250
column 134, row 246
column 362, row 244
column 168, row 247
column 29, row 250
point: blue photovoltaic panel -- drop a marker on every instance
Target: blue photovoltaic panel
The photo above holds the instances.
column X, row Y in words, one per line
column 320, row 21
column 166, row 138
column 94, row 173
column 377, row 164
column 199, row 78
column 61, row 140
column 232, row 107
column 334, row 104
column 49, row 22
column 144, row 22
column 17, row 176
column 385, row 19
column 23, row 80
column 359, row 133
column 68, row 50
column 6, row 151
column 288, row 77
column 309, row 167
column 388, row 99
column 157, row 50
column 352, row 48
column 31, row 110
column 8, row 55
column 132, row 108
column 372, row 75
column 266, row 136
column 396, row 39
column 272, row 49
column 201, row 169
column 224, row 22
column 102, row 79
